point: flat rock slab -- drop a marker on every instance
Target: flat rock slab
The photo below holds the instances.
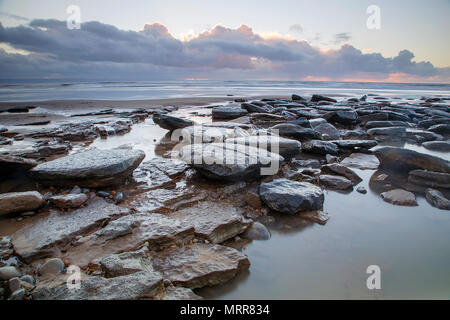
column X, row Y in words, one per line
column 361, row 161
column 121, row 264
column 229, row 162
column 95, row 168
column 171, row 122
column 288, row 196
column 341, row 170
column 13, row 202
column 437, row 199
column 399, row 159
column 400, row 197
column 320, row 147
column 42, row 238
column 129, row 233
column 9, row 164
column 139, row 285
column 200, row 265
column 352, row 144
column 180, row 293
column 335, row 182
column 228, row 112
column 429, row 178
column 276, row 144
column 69, row 200
column 443, row 146
column 213, row 221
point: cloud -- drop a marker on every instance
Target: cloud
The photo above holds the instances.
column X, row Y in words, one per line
column 297, row 28
column 13, row 16
column 102, row 51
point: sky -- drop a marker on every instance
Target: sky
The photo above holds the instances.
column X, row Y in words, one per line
column 229, row 40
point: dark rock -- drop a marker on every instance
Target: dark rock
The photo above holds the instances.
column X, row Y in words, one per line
column 361, row 190
column 320, row 147
column 361, row 161
column 344, row 117
column 232, row 112
column 171, row 122
column 14, row 202
column 52, row 266
column 252, row 108
column 399, row 159
column 429, row 178
column 18, row 295
column 9, row 272
column 328, row 131
column 18, row 109
column 335, row 182
column 11, row 164
column 283, row 146
column 69, row 200
column 295, row 131
column 96, row 168
column 440, row 128
column 317, row 97
column 437, row 199
column 352, row 144
column 310, row 163
column 400, row 197
column 288, row 196
column 342, row 171
column 392, row 132
column 443, row 146
column 385, row 124
column 257, row 231
column 296, row 97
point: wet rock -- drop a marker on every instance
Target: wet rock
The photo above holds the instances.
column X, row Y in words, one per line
column 344, row 117
column 209, row 134
column 200, row 265
column 96, row 168
column 139, row 285
column 180, row 293
column 392, row 158
column 400, row 197
column 76, row 190
column 18, row 109
column 18, row 295
column 28, row 279
column 171, row 122
column 361, row 190
column 103, row 194
column 295, row 131
column 253, row 200
column 342, row 171
column 52, row 266
column 429, row 178
column 9, row 272
column 422, row 135
column 41, row 239
column 257, row 231
column 390, row 132
column 119, row 197
column 276, row 144
column 229, row 162
column 440, row 129
column 443, row 146
column 320, row 147
column 69, row 200
column 352, row 144
column 385, row 124
column 361, row 161
column 335, row 182
column 129, row 233
column 310, row 163
column 14, row 202
column 318, row 97
column 331, row 159
column 296, row 97
column 14, row 284
column 317, row 216
column 288, row 196
column 215, row 222
column 328, row 131
column 252, row 108
column 437, row 199
column 225, row 113
column 10, row 164
column 125, row 263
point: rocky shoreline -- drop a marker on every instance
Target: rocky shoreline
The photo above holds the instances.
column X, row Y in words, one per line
column 160, row 228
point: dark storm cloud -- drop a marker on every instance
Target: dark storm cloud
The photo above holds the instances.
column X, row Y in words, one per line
column 104, row 51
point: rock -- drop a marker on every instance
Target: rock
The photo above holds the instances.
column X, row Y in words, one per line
column 317, row 97
column 391, row 132
column 129, row 233
column 385, row 124
column 224, row 113
column 318, row 216
column 18, row 295
column 352, row 144
column 335, row 182
column 342, row 171
column 344, row 117
column 9, row 272
column 52, row 266
column 361, row 161
column 119, row 197
column 14, row 284
column 257, row 231
column 95, row 168
column 18, row 109
column 296, row 97
column 443, row 146
column 209, row 134
column 320, row 147
column 76, row 190
column 10, row 164
column 276, row 144
column 440, row 128
column 199, row 265
column 310, row 163
column 170, row 122
column 252, row 108
column 422, row 135
column 429, row 178
column 295, row 131
column 69, row 200
column 328, row 131
column 361, row 190
column 41, row 238
column 288, row 196
column 28, row 279
column 139, row 285
column 224, row 161
column 400, row 197
column 14, row 202
column 437, row 199
column 213, row 221
column 253, row 200
column 180, row 293
column 392, row 158
column 125, row 263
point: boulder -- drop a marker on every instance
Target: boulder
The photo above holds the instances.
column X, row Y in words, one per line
column 283, row 146
column 399, row 159
column 257, row 231
column 361, row 161
column 391, row 132
column 215, row 222
column 95, row 168
column 335, row 182
column 400, row 197
column 170, row 122
column 229, row 162
column 344, row 117
column 14, row 202
column 225, row 113
column 328, row 131
column 437, row 199
column 341, row 170
column 288, row 196
column 69, row 200
column 199, row 265
column 295, row 131
column 318, row 97
column 320, row 147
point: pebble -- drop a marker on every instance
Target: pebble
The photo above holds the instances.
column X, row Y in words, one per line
column 361, row 190
column 18, row 295
column 14, row 284
column 52, row 266
column 8, row 272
